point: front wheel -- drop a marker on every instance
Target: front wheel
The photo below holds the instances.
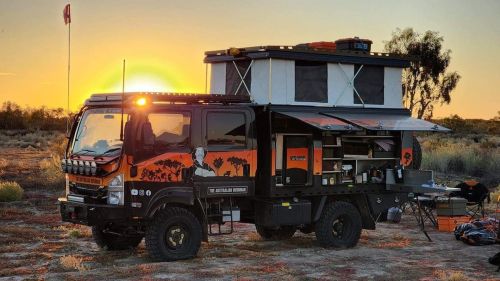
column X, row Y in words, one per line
column 339, row 225
column 174, row 234
column 112, row 238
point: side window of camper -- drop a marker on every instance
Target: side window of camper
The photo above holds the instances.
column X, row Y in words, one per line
column 311, row 81
column 233, row 78
column 226, row 130
column 370, row 84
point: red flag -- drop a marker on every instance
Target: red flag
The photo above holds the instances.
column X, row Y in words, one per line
column 67, row 14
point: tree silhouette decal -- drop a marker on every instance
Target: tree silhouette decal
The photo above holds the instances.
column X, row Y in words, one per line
column 237, row 163
column 165, row 170
column 218, row 164
column 173, row 168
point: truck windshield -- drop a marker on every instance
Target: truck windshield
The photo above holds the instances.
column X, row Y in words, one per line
column 99, row 133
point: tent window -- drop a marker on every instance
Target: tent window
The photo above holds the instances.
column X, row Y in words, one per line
column 370, row 84
column 311, row 81
column 233, row 79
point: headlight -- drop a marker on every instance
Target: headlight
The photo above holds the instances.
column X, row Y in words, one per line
column 115, row 198
column 115, row 190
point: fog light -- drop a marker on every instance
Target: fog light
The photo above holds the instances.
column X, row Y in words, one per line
column 93, row 168
column 87, row 167
column 81, row 167
column 75, row 166
column 63, row 165
column 69, row 165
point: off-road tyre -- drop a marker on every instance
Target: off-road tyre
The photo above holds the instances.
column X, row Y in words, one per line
column 114, row 242
column 173, row 234
column 339, row 225
column 275, row 234
column 417, row 154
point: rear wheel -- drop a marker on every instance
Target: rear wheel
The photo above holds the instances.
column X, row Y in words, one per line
column 114, row 238
column 174, row 234
column 277, row 233
column 339, row 225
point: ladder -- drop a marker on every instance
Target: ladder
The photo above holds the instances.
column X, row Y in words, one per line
column 215, row 218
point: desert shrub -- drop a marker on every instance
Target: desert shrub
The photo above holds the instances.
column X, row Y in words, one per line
column 12, row 116
column 468, row 156
column 72, row 262
column 10, row 191
column 51, row 173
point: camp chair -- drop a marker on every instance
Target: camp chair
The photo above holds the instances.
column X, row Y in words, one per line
column 475, row 193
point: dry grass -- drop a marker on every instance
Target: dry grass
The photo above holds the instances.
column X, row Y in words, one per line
column 72, row 262
column 447, row 275
column 472, row 156
column 398, row 242
column 74, row 231
column 10, row 191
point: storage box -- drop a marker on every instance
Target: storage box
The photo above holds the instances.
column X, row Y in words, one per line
column 453, row 206
column 283, row 213
column 448, row 223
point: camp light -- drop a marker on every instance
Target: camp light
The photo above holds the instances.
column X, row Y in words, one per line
column 141, row 101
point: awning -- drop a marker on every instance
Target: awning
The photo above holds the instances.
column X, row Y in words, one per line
column 388, row 122
column 320, row 121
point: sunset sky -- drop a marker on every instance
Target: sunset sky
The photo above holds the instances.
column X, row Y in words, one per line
column 164, row 41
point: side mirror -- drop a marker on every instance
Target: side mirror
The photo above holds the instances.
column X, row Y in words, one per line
column 128, row 144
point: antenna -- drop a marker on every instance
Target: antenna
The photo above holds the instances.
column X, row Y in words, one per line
column 123, row 98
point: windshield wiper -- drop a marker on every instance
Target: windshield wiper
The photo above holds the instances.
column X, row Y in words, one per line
column 110, row 150
column 83, row 152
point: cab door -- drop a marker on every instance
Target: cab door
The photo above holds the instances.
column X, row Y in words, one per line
column 226, row 163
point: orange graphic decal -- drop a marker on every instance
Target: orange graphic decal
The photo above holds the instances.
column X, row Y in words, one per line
column 407, row 156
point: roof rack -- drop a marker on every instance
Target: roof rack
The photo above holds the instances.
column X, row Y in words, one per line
column 169, row 97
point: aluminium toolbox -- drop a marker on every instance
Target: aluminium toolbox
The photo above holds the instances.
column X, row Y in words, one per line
column 448, row 224
column 451, row 206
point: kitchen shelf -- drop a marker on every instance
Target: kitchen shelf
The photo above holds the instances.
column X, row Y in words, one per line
column 332, row 158
column 331, row 172
column 331, row 145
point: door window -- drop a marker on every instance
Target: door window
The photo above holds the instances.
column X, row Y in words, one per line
column 226, row 130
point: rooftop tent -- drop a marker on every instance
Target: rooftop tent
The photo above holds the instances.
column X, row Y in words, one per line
column 320, row 121
column 388, row 122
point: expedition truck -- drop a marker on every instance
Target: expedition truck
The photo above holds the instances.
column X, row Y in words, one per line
column 311, row 137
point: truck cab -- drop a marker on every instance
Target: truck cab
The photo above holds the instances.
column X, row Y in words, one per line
column 176, row 168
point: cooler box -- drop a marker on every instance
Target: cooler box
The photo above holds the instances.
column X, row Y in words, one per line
column 453, row 206
column 448, row 224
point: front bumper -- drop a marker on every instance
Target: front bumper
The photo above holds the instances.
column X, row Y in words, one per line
column 90, row 214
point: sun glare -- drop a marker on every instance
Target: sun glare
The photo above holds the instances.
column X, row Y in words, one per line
column 145, row 83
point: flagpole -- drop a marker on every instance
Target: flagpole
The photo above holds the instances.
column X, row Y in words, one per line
column 69, row 68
